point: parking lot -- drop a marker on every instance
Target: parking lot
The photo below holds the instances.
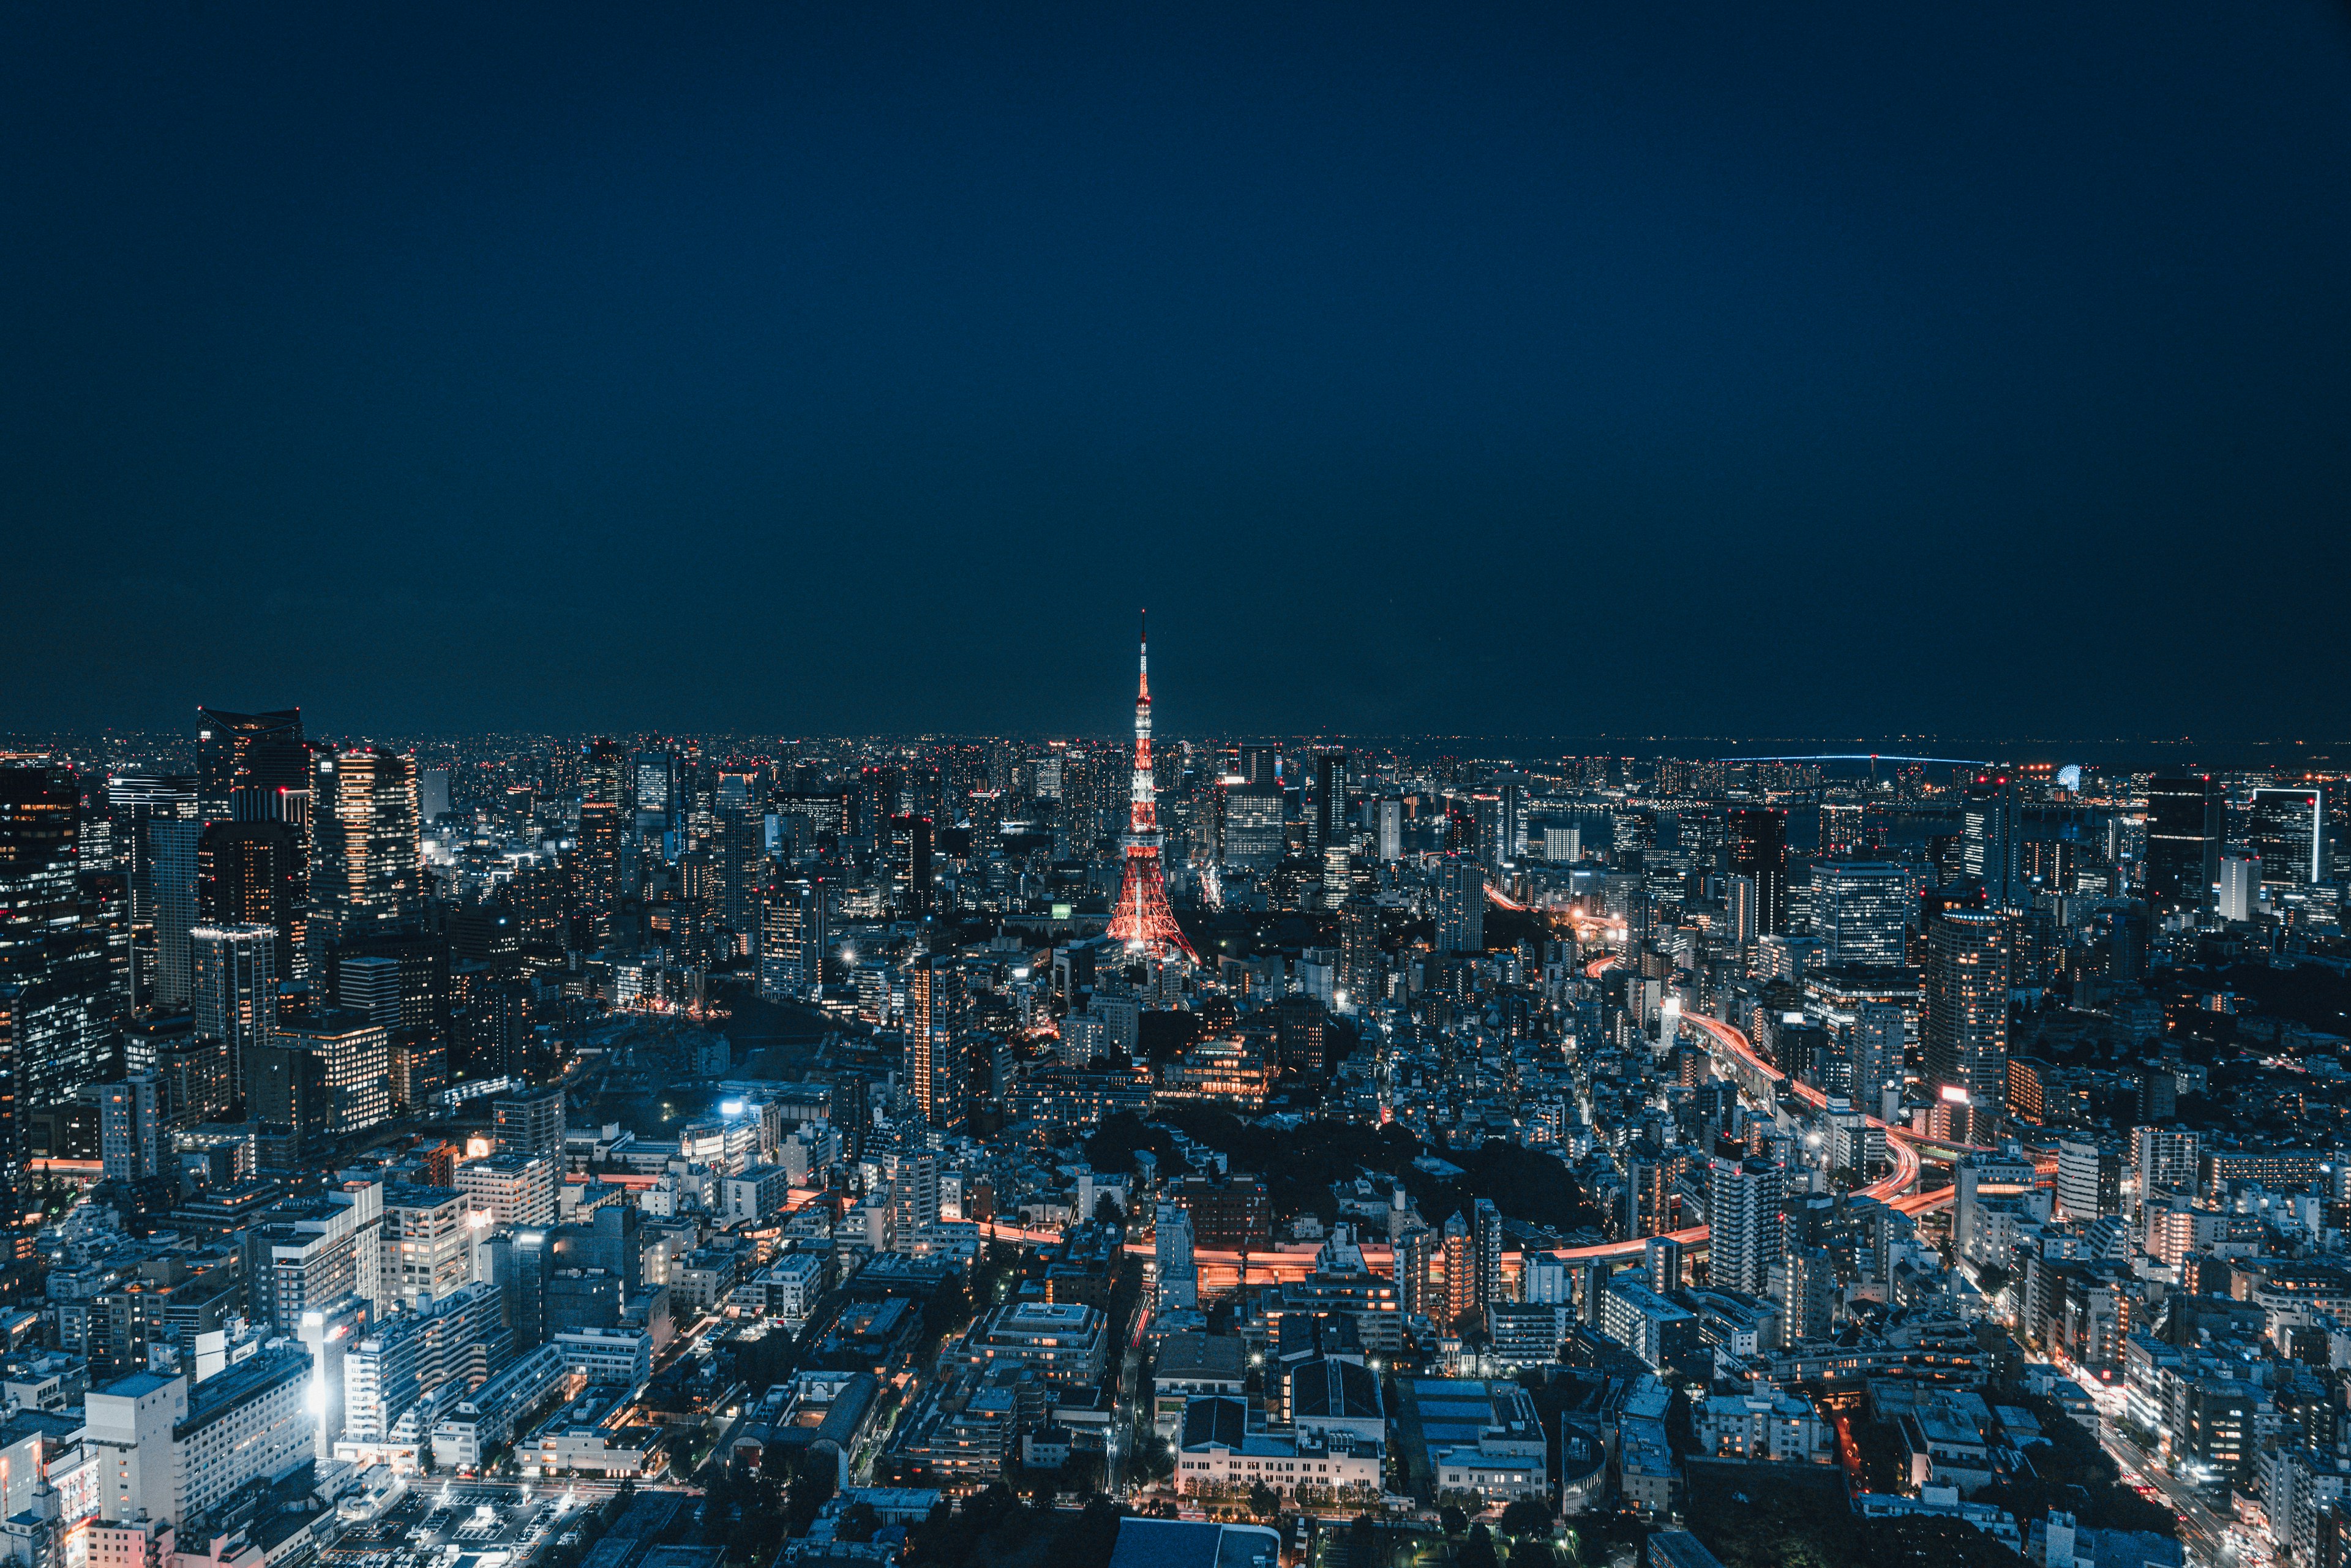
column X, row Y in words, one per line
column 454, row 1525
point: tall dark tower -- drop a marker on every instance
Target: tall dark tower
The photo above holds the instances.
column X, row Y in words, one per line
column 1759, row 849
column 2183, row 841
column 1143, row 920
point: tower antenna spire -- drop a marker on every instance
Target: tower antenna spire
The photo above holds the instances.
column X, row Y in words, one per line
column 1143, row 921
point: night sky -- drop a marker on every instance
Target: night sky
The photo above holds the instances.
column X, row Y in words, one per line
column 1645, row 369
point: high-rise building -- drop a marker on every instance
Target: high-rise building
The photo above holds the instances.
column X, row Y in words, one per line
column 2184, row 826
column 793, row 934
column 1143, row 921
column 1743, row 1213
column 130, row 1128
column 531, row 1122
column 2286, row 829
column 1989, row 840
column 324, row 1076
column 936, row 1073
column 1179, row 1277
column 1966, row 998
column 1759, row 849
column 2089, row 1180
column 367, row 872
column 234, row 990
column 912, row 879
column 1460, row 904
column 252, row 873
column 1330, row 798
column 1860, row 911
column 1457, row 1248
column 1391, row 829
column 2240, row 886
column 1486, row 1224
column 135, row 801
column 173, row 861
column 247, row 751
column 64, row 953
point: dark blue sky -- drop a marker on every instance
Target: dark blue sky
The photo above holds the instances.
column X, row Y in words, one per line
column 1655, row 369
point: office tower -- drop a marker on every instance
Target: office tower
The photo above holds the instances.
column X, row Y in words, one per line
column 792, row 939
column 1843, row 833
column 1490, row 830
column 1390, row 829
column 1260, row 766
column 597, row 859
column 604, row 772
column 1966, row 997
column 1740, row 913
column 1759, row 850
column 172, row 868
column 247, row 751
column 130, row 1128
column 136, row 802
column 1562, row 843
column 234, row 990
column 1179, row 1277
column 2286, row 829
column 936, row 1072
column 345, row 1086
column 367, row 872
column 1808, row 1294
column 530, row 1122
column 2184, row 819
column 1460, row 904
column 1330, row 798
column 1988, row 847
column 2240, row 886
column 370, row 987
column 433, row 801
column 1143, row 921
column 1252, row 819
column 911, row 878
column 252, row 873
column 1860, row 913
column 1486, row 1227
column 1743, row 1211
column 1875, row 1043
column 64, row 980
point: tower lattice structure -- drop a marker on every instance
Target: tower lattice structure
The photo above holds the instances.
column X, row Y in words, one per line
column 1143, row 921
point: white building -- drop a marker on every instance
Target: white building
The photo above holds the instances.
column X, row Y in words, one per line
column 758, row 1192
column 512, row 1189
column 622, row 1357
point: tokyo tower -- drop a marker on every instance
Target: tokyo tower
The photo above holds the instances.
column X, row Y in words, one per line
column 1144, row 922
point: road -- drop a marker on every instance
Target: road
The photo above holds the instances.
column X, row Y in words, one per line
column 2199, row 1526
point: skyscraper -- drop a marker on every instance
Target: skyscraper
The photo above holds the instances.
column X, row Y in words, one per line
column 135, row 801
column 1759, row 849
column 234, row 990
column 936, row 1073
column 1967, row 982
column 174, row 856
column 63, row 996
column 2183, row 823
column 2287, row 829
column 251, row 873
column 1743, row 1213
column 1460, row 904
column 1486, row 1226
column 1860, row 909
column 368, row 870
column 792, row 936
column 247, row 751
column 1988, row 839
column 1143, row 920
column 1330, row 798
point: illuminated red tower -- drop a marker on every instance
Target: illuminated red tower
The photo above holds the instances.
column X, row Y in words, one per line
column 1144, row 922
